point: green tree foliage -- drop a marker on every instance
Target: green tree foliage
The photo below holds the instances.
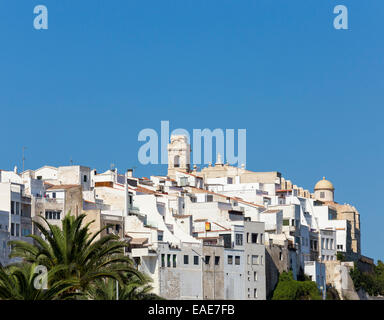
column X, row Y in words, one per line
column 17, row 283
column 340, row 256
column 134, row 289
column 372, row 283
column 289, row 289
column 332, row 294
column 77, row 263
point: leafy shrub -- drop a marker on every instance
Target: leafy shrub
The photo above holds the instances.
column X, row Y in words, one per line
column 289, row 289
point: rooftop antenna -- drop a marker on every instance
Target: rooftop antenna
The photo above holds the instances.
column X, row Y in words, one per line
column 23, row 156
column 71, row 161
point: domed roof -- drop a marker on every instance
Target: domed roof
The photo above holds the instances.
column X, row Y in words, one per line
column 324, row 185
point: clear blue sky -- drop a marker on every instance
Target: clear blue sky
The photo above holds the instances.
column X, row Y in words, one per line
column 310, row 97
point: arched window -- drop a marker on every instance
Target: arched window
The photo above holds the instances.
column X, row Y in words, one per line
column 176, row 162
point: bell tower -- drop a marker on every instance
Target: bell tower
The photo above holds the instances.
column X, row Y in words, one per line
column 179, row 155
column 324, row 190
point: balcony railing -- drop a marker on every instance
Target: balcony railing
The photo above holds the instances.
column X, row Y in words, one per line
column 49, row 200
column 133, row 210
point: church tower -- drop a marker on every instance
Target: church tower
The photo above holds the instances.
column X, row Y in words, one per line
column 179, row 155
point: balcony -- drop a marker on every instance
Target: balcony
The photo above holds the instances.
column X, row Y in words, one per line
column 50, row 200
column 133, row 210
column 143, row 252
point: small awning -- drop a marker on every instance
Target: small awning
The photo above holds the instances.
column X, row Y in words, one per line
column 138, row 241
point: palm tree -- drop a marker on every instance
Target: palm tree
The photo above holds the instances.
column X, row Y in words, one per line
column 77, row 251
column 137, row 288
column 21, row 282
column 134, row 288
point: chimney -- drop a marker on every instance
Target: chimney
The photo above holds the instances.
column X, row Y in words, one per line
column 130, row 173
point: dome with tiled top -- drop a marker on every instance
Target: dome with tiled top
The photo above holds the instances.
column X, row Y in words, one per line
column 324, row 185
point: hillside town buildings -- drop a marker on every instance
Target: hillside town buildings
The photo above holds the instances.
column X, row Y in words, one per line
column 222, row 232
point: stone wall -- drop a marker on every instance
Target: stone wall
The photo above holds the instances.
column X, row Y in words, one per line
column 276, row 261
column 213, row 275
column 337, row 275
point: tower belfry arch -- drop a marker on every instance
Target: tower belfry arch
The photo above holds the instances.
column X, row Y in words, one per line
column 179, row 155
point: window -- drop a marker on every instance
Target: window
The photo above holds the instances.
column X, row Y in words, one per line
column 254, row 276
column 174, row 261
column 254, row 237
column 137, row 261
column 176, row 162
column 261, row 259
column 286, row 222
column 293, row 222
column 17, row 230
column 186, row 259
column 159, row 237
column 196, row 260
column 247, row 237
column 227, row 240
column 207, row 258
column 183, row 181
column 52, row 215
column 255, row 293
column 12, row 207
column 217, row 261
column 17, row 208
column 163, row 260
column 331, row 245
column 54, row 195
column 281, row 256
column 237, row 260
column 12, row 229
column 255, row 259
column 209, row 198
column 239, row 239
column 322, row 195
column 230, row 259
column 85, row 179
column 168, row 260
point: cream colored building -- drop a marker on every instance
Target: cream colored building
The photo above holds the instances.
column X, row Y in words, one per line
column 325, row 192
